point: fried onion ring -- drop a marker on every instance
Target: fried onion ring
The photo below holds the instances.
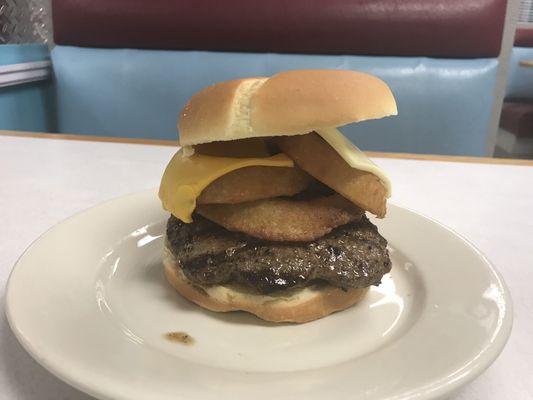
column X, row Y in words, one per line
column 255, row 183
column 315, row 156
column 284, row 219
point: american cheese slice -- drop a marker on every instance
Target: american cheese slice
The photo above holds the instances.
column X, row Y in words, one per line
column 353, row 156
column 186, row 177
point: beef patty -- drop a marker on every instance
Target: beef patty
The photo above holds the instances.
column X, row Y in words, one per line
column 351, row 256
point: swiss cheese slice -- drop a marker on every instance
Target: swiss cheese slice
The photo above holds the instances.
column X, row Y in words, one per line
column 186, row 177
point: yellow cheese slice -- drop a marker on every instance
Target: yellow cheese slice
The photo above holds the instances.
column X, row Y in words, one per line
column 353, row 156
column 186, row 177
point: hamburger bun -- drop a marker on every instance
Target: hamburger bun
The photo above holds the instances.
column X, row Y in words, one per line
column 288, row 103
column 298, row 306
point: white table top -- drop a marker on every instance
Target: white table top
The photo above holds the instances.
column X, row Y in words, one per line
column 43, row 181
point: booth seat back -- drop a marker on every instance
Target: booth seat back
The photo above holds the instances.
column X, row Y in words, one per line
column 520, row 78
column 26, row 94
column 125, row 68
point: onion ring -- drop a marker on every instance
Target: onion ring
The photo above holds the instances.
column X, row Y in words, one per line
column 284, row 219
column 255, row 183
column 316, row 157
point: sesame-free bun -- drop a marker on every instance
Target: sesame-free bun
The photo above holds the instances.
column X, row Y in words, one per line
column 288, row 103
column 302, row 305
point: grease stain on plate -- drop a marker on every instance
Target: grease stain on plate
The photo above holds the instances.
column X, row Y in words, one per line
column 180, row 337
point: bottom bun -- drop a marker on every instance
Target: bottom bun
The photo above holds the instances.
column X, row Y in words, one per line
column 298, row 305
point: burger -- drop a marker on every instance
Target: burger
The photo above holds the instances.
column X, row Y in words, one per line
column 268, row 200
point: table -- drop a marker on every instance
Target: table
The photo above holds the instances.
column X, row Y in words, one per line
column 44, row 179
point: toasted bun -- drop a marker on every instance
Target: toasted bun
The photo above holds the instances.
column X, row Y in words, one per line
column 288, row 103
column 300, row 306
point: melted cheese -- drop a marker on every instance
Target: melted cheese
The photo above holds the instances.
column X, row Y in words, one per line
column 186, row 177
column 353, row 156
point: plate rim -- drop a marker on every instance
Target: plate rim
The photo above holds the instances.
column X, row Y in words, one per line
column 447, row 387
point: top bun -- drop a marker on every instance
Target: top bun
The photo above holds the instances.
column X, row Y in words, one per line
column 288, row 103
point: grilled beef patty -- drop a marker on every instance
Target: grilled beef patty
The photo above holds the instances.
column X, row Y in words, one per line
column 351, row 256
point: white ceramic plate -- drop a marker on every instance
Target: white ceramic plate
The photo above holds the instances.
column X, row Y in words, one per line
column 89, row 302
